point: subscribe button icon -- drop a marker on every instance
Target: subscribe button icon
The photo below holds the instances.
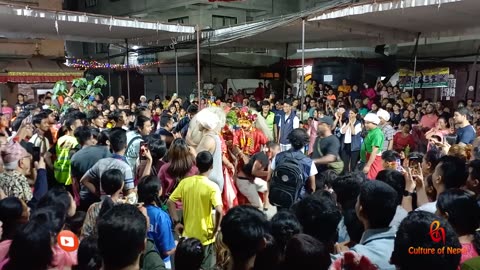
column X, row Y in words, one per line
column 67, row 241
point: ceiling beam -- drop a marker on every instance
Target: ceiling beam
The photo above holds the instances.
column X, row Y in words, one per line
column 381, row 33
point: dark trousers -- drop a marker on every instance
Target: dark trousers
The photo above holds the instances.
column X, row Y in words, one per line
column 349, row 158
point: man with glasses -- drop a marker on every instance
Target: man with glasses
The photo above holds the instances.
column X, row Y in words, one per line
column 371, row 151
column 17, row 164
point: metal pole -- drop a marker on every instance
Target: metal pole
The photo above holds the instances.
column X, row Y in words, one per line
column 415, row 64
column 414, row 75
column 198, row 67
column 128, row 72
column 210, row 52
column 176, row 70
column 109, row 72
column 285, row 72
column 303, row 69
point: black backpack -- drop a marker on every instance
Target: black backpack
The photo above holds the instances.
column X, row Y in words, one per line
column 287, row 179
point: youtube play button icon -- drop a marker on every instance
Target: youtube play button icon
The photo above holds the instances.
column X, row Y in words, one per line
column 67, row 241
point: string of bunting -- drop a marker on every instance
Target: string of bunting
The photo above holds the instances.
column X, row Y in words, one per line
column 91, row 64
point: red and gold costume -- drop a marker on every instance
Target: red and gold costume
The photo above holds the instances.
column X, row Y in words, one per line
column 229, row 193
column 248, row 138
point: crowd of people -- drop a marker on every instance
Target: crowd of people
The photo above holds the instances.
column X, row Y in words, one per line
column 360, row 179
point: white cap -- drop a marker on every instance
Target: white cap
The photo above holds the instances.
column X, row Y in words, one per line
column 383, row 114
column 373, row 118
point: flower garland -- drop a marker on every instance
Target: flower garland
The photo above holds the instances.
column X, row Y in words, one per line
column 246, row 143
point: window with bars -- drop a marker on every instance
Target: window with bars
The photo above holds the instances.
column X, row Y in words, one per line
column 90, row 3
column 101, row 47
column 222, row 21
column 181, row 20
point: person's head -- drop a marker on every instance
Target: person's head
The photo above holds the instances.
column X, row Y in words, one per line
column 318, row 212
column 84, row 135
column 118, row 139
column 149, row 190
column 180, row 157
column 112, row 181
column 412, row 114
column 192, row 110
column 88, row 254
column 40, row 121
column 120, row 100
column 305, row 252
column 96, row 118
column 243, row 230
column 324, row 128
column 461, row 115
column 20, row 98
column 371, row 121
column 58, row 196
column 13, row 213
column 450, row 172
column 347, row 189
column 473, row 180
column 383, row 115
column 204, row 162
column 272, row 148
column 287, row 107
column 52, row 116
column 189, row 254
column 442, row 123
column 103, row 138
column 120, row 227
column 283, row 226
column 461, row 210
column 395, row 179
column 430, row 161
column 353, row 113
column 142, row 110
column 265, row 106
column 172, row 109
column 4, row 123
column 415, row 231
column 298, row 138
column 113, row 107
column 166, row 122
column 376, row 204
column 71, row 124
column 117, row 116
column 389, row 159
column 157, row 147
column 143, row 125
column 15, row 157
column 406, row 128
column 17, row 109
column 429, row 109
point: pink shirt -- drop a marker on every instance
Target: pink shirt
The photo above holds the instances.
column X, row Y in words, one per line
column 429, row 121
column 468, row 252
column 4, row 247
column 61, row 259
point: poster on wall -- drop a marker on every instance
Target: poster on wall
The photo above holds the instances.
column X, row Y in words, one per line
column 449, row 92
column 427, row 78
